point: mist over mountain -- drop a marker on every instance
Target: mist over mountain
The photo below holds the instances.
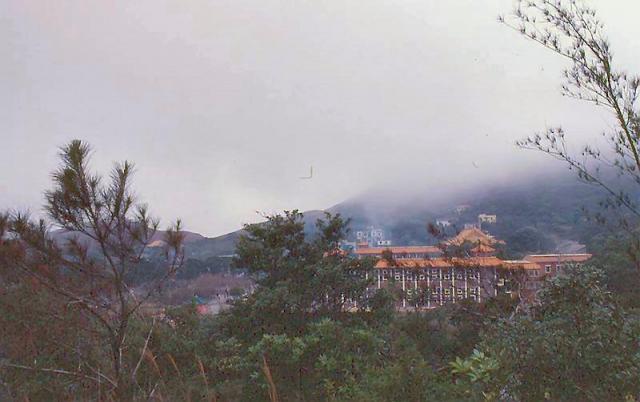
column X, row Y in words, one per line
column 541, row 214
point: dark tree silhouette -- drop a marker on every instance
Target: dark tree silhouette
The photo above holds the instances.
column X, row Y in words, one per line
column 107, row 234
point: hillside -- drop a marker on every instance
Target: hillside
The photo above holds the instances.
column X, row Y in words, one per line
column 532, row 216
column 541, row 215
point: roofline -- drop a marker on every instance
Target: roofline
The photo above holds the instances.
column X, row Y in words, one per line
column 559, row 255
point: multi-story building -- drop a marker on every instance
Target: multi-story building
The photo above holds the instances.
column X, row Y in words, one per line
column 430, row 276
column 434, row 282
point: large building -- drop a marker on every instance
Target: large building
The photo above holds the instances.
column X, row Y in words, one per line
column 464, row 267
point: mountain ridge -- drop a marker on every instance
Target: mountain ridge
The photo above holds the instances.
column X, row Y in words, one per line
column 534, row 215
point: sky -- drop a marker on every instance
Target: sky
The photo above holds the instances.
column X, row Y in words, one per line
column 224, row 104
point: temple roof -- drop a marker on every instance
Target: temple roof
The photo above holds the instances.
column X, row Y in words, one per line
column 483, row 248
column 473, row 235
column 440, row 262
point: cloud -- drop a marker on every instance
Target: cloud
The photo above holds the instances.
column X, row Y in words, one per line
column 223, row 105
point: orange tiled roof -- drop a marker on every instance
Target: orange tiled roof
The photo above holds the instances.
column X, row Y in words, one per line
column 457, row 262
column 516, row 264
column 441, row 262
column 545, row 258
column 483, row 248
column 473, row 235
column 399, row 250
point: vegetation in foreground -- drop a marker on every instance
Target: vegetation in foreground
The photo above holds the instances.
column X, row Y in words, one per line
column 292, row 340
column 72, row 327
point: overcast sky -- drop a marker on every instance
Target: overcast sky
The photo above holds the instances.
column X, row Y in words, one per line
column 222, row 105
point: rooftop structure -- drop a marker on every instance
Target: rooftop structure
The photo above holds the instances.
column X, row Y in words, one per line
column 473, row 235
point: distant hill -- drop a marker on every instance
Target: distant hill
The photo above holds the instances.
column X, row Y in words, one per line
column 60, row 236
column 539, row 215
column 214, row 247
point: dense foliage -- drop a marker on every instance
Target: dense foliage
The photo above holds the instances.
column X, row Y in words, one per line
column 577, row 344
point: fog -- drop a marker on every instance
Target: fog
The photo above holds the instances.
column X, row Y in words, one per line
column 224, row 105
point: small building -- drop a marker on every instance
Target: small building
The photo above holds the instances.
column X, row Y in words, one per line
column 443, row 223
column 370, row 235
column 485, row 218
column 550, row 265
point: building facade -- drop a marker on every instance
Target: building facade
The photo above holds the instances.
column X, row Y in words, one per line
column 430, row 276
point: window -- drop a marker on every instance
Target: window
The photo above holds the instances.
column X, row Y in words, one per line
column 437, row 291
column 459, row 291
column 397, row 277
column 447, row 292
column 434, row 272
column 547, row 269
column 422, row 277
column 459, row 276
column 447, row 276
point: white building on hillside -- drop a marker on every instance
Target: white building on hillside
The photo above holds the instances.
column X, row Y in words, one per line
column 370, row 235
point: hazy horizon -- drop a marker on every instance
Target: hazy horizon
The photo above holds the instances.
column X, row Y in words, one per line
column 224, row 105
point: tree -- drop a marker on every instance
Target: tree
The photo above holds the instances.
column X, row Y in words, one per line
column 577, row 344
column 573, row 30
column 106, row 236
column 310, row 317
column 298, row 280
